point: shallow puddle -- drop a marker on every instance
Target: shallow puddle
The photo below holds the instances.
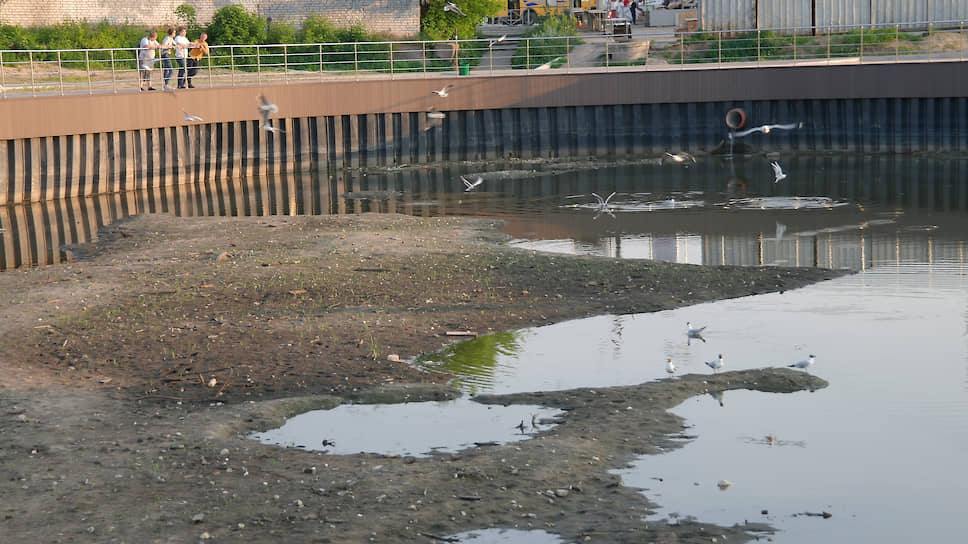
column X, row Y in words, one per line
column 417, row 429
column 507, row 536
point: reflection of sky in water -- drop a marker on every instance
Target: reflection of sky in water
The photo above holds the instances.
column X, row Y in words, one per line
column 417, row 428
column 507, row 536
column 881, row 448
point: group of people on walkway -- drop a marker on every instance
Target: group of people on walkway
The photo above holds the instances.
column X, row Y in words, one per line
column 187, row 55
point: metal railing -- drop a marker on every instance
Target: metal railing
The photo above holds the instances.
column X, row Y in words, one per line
column 69, row 71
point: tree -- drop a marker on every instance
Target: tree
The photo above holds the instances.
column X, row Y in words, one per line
column 233, row 25
column 438, row 24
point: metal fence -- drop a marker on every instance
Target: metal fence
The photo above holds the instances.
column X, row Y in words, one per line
column 69, row 71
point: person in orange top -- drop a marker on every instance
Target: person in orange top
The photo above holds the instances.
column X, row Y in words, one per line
column 199, row 49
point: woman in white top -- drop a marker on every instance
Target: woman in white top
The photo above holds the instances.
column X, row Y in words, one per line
column 181, row 54
column 167, row 44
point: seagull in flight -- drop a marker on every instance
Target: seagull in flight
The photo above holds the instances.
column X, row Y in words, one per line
column 434, row 114
column 804, row 363
column 548, row 64
column 670, row 368
column 266, row 109
column 694, row 333
column 443, row 93
column 471, row 185
column 452, row 7
column 190, row 118
column 499, row 40
column 777, row 172
column 765, row 129
column 603, row 205
column 716, row 364
column 679, row 158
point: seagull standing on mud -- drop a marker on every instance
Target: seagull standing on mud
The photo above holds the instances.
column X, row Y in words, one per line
column 670, row 368
column 452, row 7
column 804, row 363
column 777, row 172
column 470, row 186
column 716, row 364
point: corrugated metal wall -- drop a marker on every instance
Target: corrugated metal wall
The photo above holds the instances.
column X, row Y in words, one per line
column 898, row 11
column 784, row 13
column 948, row 10
column 843, row 12
column 746, row 14
column 727, row 14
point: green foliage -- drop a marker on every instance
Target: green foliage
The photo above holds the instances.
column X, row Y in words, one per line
column 15, row 37
column 438, row 24
column 317, row 29
column 281, row 33
column 549, row 43
column 187, row 16
column 234, row 25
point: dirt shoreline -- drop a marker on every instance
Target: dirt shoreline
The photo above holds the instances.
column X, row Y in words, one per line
column 127, row 375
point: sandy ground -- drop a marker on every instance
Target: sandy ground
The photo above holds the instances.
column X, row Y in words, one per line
column 128, row 376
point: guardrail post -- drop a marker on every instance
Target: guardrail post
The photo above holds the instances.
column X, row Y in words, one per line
column 897, row 42
column 320, row 62
column 930, row 27
column 758, row 58
column 33, row 87
column 285, row 63
column 568, row 54
column 423, row 56
column 258, row 64
column 60, row 73
column 356, row 58
column 391, row 60
column 828, row 44
column 211, row 78
column 794, row 46
column 719, row 46
column 961, row 34
column 608, row 55
column 232, row 63
column 861, row 53
column 3, row 77
column 114, row 75
column 527, row 53
column 682, row 50
column 87, row 68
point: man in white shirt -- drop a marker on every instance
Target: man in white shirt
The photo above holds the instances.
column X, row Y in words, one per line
column 146, row 60
column 182, row 45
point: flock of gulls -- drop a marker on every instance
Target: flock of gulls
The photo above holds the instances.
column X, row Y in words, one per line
column 719, row 362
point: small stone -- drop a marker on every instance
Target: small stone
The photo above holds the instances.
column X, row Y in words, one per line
column 309, row 470
column 561, row 492
column 223, row 256
column 21, row 418
column 205, row 536
column 198, row 518
column 298, row 503
column 223, row 452
column 393, row 357
column 241, row 526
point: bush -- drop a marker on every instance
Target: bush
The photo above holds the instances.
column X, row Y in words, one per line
column 438, row 24
column 552, row 42
column 233, row 25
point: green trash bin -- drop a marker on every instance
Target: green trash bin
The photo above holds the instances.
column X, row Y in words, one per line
column 465, row 69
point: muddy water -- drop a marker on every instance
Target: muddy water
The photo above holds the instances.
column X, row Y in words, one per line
column 879, row 449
